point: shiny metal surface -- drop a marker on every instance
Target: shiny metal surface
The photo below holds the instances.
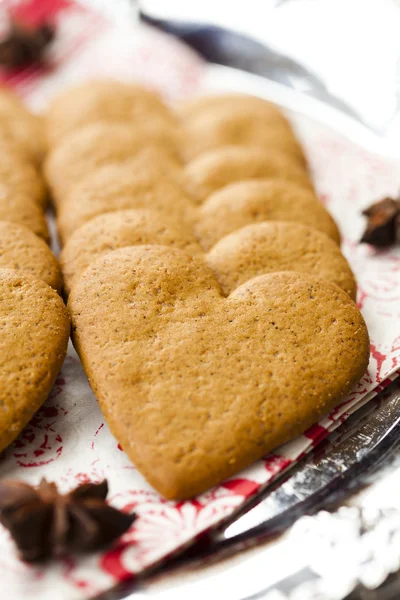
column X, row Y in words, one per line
column 353, row 86
column 233, row 49
column 332, row 472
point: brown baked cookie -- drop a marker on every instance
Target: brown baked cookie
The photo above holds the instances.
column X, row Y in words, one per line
column 115, row 178
column 23, row 127
column 18, row 176
column 99, row 144
column 196, row 386
column 239, row 127
column 22, row 250
column 104, row 100
column 246, row 202
column 119, row 187
column 23, row 211
column 217, row 168
column 274, row 246
column 229, row 103
column 33, row 343
column 118, row 229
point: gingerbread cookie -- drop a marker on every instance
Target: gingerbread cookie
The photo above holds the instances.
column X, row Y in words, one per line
column 98, row 145
column 25, row 129
column 105, row 100
column 246, row 202
column 22, row 250
column 120, row 187
column 239, row 127
column 113, row 178
column 119, row 229
column 33, row 344
column 229, row 103
column 275, row 246
column 23, row 211
column 217, row 168
column 196, row 386
column 18, row 176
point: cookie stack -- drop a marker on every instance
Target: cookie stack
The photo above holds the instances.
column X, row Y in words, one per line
column 34, row 320
column 212, row 308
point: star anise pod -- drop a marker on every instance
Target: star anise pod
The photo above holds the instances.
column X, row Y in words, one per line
column 383, row 227
column 45, row 523
column 25, row 46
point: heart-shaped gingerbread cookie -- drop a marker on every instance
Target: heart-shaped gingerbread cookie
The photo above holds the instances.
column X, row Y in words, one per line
column 34, row 337
column 195, row 385
column 272, row 246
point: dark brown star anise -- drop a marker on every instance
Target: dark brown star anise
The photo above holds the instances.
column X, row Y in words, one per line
column 383, row 227
column 25, row 46
column 45, row 523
